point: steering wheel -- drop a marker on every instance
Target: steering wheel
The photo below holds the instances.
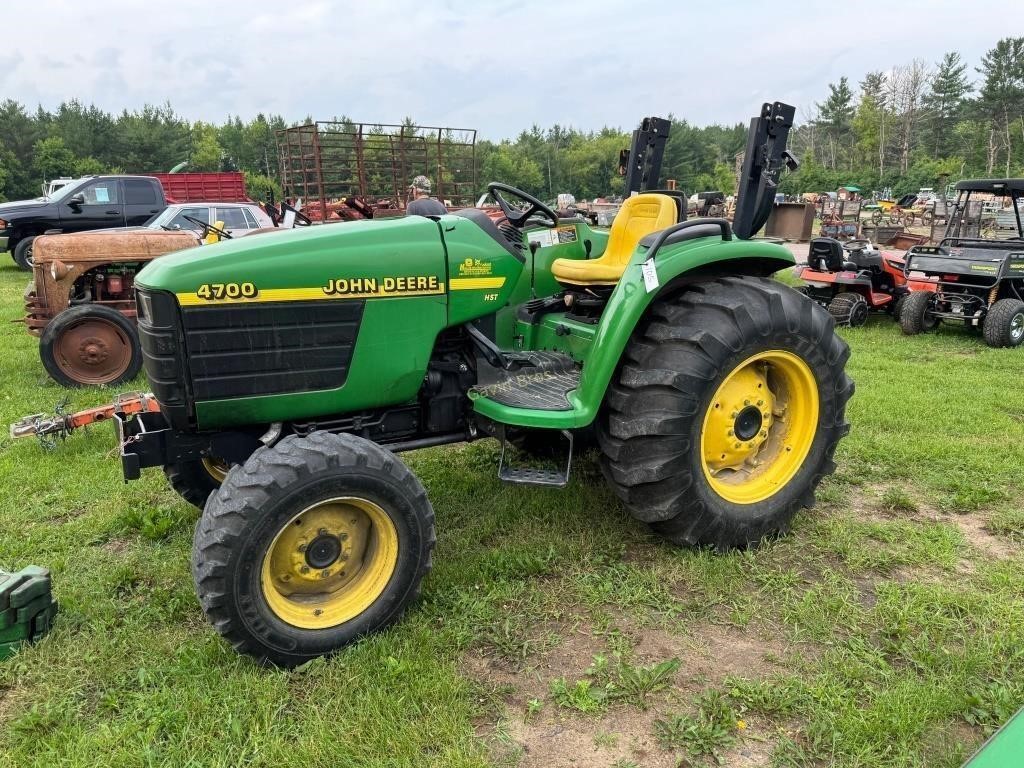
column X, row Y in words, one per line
column 517, row 217
column 208, row 228
column 301, row 218
column 857, row 244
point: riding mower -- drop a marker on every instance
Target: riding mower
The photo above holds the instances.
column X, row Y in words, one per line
column 304, row 361
column 978, row 281
column 854, row 278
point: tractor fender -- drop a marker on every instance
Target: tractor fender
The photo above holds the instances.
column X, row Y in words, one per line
column 675, row 266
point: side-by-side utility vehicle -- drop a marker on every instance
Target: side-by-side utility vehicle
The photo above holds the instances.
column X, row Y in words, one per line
column 979, row 281
column 304, row 361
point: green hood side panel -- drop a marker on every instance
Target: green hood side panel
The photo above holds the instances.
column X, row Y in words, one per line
column 628, row 303
column 481, row 272
column 396, row 333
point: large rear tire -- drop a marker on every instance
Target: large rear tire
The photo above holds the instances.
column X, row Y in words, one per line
column 90, row 345
column 917, row 314
column 1004, row 324
column 726, row 412
column 310, row 545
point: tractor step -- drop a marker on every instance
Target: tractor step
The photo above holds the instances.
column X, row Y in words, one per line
column 551, row 478
column 536, row 380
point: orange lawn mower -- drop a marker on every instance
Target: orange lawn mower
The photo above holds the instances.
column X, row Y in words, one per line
column 854, row 278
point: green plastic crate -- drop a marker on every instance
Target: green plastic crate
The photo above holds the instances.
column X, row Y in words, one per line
column 27, row 608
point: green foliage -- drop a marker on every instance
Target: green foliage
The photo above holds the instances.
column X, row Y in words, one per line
column 207, row 153
column 52, row 158
column 262, row 188
column 582, row 695
column 511, row 164
column 712, row 728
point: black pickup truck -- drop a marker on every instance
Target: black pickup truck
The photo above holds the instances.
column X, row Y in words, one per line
column 93, row 202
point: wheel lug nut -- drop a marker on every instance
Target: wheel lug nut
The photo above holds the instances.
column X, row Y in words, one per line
column 325, row 573
column 302, row 548
column 304, row 569
column 760, row 402
column 343, row 536
column 746, row 402
column 730, row 433
column 322, row 532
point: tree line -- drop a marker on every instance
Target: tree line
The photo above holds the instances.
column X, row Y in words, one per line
column 915, row 124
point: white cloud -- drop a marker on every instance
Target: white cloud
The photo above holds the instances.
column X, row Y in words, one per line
column 496, row 67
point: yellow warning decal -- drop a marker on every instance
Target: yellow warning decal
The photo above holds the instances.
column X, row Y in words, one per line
column 475, row 283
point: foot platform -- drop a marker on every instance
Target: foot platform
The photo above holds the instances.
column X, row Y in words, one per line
column 544, row 476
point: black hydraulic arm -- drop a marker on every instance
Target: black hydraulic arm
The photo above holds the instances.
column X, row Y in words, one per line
column 641, row 163
column 766, row 155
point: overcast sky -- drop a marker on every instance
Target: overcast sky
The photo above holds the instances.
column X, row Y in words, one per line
column 495, row 66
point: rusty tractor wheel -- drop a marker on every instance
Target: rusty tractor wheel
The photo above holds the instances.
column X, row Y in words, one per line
column 90, row 345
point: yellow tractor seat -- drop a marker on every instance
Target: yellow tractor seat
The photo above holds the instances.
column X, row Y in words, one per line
column 639, row 216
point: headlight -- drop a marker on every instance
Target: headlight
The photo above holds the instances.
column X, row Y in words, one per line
column 58, row 269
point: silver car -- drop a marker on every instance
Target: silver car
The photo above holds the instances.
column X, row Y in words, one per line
column 238, row 218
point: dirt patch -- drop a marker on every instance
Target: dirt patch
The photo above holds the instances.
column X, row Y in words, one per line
column 556, row 737
column 559, row 740
column 116, row 546
column 979, row 537
column 711, row 652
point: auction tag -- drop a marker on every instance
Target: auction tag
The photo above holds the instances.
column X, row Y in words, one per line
column 650, row 275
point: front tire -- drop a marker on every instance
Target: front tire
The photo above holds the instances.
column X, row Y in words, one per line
column 22, row 254
column 726, row 412
column 1004, row 324
column 194, row 481
column 917, row 314
column 90, row 345
column 311, row 545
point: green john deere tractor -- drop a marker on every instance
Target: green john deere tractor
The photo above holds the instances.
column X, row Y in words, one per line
column 294, row 367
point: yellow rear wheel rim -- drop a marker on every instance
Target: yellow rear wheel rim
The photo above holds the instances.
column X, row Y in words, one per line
column 759, row 426
column 330, row 563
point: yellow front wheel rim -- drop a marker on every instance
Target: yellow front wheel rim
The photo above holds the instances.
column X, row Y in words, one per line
column 217, row 469
column 759, row 426
column 330, row 563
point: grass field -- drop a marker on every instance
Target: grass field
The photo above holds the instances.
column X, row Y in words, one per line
column 886, row 630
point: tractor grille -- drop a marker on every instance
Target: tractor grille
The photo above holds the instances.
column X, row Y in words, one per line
column 243, row 350
column 268, row 349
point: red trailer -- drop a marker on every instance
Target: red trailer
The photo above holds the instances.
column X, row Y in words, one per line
column 203, row 187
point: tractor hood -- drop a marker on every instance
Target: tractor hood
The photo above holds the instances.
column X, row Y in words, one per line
column 361, row 259
column 110, row 245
